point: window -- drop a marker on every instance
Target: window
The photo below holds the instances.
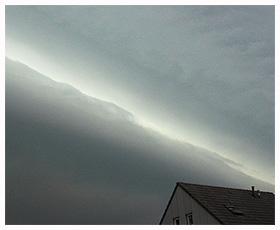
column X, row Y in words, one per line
column 234, row 210
column 189, row 219
column 176, row 221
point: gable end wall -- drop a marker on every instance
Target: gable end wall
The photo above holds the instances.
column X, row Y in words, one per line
column 181, row 204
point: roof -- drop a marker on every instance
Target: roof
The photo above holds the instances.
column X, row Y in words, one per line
column 233, row 206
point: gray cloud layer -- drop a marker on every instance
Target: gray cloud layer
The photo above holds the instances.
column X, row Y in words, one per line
column 204, row 73
column 73, row 159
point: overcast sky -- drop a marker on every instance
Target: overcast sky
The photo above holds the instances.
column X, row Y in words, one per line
column 149, row 95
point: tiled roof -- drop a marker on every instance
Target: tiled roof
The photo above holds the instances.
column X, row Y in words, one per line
column 234, row 206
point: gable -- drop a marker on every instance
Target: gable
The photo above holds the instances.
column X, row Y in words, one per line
column 181, row 204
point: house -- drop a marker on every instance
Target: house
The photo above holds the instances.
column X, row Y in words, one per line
column 204, row 204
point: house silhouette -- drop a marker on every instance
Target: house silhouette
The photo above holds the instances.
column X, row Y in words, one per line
column 204, row 204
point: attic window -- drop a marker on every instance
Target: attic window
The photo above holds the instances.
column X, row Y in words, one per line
column 176, row 221
column 189, row 219
column 234, row 210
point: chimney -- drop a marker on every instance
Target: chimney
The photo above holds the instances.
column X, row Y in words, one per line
column 259, row 193
column 253, row 190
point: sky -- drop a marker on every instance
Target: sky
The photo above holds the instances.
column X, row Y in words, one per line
column 110, row 106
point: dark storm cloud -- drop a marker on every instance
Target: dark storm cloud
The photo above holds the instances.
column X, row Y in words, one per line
column 73, row 159
column 204, row 72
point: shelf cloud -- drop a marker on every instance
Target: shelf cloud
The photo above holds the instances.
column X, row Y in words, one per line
column 74, row 159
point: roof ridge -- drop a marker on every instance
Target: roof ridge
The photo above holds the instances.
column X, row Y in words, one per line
column 214, row 186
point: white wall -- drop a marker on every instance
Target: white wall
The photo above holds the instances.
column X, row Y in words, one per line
column 182, row 204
